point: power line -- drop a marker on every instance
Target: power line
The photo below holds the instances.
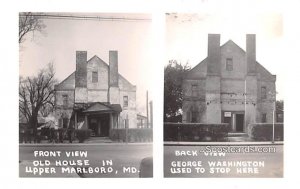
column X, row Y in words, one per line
column 81, row 17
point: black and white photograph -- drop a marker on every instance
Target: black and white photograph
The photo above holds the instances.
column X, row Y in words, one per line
column 149, row 94
column 85, row 109
column 223, row 96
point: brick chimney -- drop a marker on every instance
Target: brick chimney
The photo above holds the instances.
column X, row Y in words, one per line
column 113, row 69
column 81, row 77
column 251, row 54
column 214, row 55
column 114, row 91
column 213, row 79
column 81, row 72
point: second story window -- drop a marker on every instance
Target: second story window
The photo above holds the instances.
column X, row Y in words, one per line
column 65, row 100
column 263, row 92
column 94, row 77
column 194, row 90
column 125, row 101
column 229, row 64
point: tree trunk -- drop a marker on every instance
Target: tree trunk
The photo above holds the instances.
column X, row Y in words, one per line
column 33, row 122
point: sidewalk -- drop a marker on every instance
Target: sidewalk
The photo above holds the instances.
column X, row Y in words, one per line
column 90, row 141
column 246, row 143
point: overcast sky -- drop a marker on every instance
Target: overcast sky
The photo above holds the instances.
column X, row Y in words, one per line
column 186, row 37
column 63, row 37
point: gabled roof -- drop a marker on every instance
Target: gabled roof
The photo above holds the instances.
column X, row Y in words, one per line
column 69, row 82
column 230, row 43
column 195, row 72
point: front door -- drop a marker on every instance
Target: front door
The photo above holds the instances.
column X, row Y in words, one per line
column 104, row 125
column 240, row 122
column 99, row 124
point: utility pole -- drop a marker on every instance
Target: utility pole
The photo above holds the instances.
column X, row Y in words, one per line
column 274, row 108
column 151, row 114
column 147, row 122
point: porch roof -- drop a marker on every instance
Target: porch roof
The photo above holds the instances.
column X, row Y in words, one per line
column 102, row 107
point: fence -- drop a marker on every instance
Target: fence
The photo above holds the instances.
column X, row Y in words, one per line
column 131, row 135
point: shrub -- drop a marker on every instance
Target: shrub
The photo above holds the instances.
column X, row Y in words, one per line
column 195, row 132
column 83, row 134
column 264, row 131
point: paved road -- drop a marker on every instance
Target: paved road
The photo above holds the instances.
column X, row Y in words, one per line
column 125, row 159
column 191, row 161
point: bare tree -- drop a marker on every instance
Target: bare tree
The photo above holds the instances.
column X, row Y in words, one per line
column 47, row 109
column 28, row 22
column 35, row 93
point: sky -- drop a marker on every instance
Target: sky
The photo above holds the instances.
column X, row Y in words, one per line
column 61, row 38
column 186, row 38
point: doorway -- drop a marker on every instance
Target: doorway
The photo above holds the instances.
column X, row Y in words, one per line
column 235, row 120
column 239, row 122
column 99, row 124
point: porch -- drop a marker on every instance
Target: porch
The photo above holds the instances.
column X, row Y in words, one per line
column 99, row 117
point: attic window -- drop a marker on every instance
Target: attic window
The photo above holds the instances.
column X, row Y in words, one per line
column 194, row 90
column 263, row 92
column 94, row 77
column 229, row 64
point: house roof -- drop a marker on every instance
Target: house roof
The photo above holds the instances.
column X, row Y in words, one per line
column 141, row 116
column 201, row 67
column 69, row 82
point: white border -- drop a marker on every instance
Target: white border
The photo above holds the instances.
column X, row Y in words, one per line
column 9, row 87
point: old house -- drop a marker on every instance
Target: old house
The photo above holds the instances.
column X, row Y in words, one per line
column 96, row 96
column 229, row 86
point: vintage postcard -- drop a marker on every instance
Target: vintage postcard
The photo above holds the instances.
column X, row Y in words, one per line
column 84, row 108
column 223, row 96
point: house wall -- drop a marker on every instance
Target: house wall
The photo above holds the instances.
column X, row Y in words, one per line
column 62, row 111
column 96, row 64
column 128, row 112
column 196, row 103
column 266, row 105
column 111, row 87
column 230, row 50
column 97, row 96
column 228, row 90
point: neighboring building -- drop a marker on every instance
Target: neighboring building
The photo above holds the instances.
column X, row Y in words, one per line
column 141, row 121
column 96, row 96
column 229, row 86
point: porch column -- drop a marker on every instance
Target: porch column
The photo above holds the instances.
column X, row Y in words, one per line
column 76, row 125
column 86, row 121
column 111, row 117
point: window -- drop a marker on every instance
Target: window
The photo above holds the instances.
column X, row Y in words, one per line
column 125, row 101
column 94, row 77
column 263, row 92
column 229, row 64
column 65, row 100
column 194, row 90
column 264, row 118
column 194, row 116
